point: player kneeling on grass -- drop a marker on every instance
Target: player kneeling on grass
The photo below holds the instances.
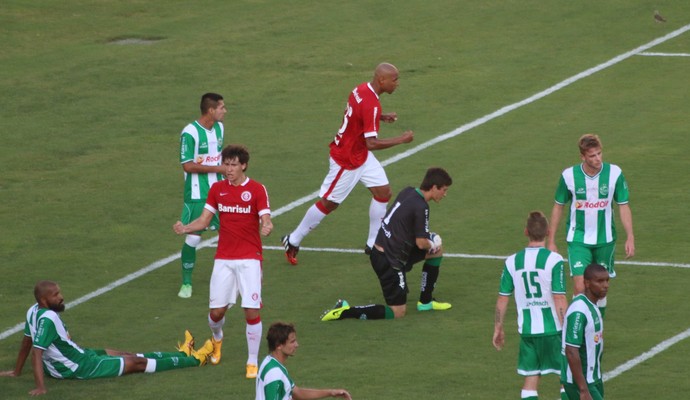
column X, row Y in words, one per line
column 56, row 354
column 403, row 240
column 273, row 381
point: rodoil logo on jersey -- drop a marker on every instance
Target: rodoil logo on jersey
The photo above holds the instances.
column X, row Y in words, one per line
column 208, row 160
column 591, row 205
column 235, row 209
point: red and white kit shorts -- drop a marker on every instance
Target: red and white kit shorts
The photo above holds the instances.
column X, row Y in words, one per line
column 340, row 181
column 233, row 277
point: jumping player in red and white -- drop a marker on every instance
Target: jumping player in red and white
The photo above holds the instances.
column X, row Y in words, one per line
column 352, row 160
column 244, row 212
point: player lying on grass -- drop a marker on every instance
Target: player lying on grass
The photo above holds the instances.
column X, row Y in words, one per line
column 55, row 354
column 403, row 240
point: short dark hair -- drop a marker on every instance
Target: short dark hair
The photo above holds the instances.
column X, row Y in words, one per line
column 278, row 334
column 435, row 176
column 537, row 226
column 41, row 288
column 238, row 151
column 593, row 269
column 209, row 101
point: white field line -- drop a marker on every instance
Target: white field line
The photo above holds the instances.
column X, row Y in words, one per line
column 650, row 54
column 465, row 255
column 464, row 128
column 646, row 355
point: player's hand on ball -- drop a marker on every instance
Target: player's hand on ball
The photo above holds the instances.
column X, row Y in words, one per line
column 436, row 243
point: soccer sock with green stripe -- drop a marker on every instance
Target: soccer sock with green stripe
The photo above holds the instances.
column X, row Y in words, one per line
column 160, row 355
column 372, row 311
column 166, row 364
column 430, row 272
column 188, row 259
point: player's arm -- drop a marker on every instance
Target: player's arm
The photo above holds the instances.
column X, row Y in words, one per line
column 626, row 220
column 266, row 224
column 423, row 243
column 572, row 353
column 499, row 333
column 24, row 351
column 561, row 304
column 198, row 224
column 37, row 363
column 374, row 143
column 191, row 167
column 299, row 393
column 187, row 145
column 558, row 289
column 556, row 214
column 389, row 117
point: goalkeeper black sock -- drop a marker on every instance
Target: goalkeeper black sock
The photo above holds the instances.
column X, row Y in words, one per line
column 430, row 272
column 372, row 311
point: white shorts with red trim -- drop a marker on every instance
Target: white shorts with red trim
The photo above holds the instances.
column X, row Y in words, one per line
column 340, row 181
column 233, row 277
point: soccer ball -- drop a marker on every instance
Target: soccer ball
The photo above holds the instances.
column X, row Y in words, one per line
column 436, row 239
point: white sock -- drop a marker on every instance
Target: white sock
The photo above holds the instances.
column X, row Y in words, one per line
column 528, row 394
column 253, row 342
column 150, row 366
column 310, row 221
column 377, row 211
column 216, row 328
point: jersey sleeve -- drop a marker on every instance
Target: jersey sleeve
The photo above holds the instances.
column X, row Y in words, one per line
column 46, row 333
column 507, row 285
column 262, row 203
column 211, row 199
column 575, row 329
column 371, row 113
column 621, row 195
column 558, row 279
column 27, row 329
column 274, row 390
column 187, row 145
column 563, row 195
column 421, row 223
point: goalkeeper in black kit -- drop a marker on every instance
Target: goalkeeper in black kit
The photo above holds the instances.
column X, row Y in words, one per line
column 403, row 240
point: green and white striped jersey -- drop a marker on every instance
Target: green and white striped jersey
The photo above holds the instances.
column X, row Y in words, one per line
column 584, row 328
column 590, row 221
column 61, row 356
column 273, row 381
column 201, row 146
column 534, row 275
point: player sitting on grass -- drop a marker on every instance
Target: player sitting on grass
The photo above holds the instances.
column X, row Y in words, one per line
column 56, row 354
column 403, row 240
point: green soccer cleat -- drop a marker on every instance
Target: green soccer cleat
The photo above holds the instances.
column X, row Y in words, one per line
column 334, row 313
column 215, row 356
column 187, row 346
column 433, row 305
column 185, row 291
column 203, row 353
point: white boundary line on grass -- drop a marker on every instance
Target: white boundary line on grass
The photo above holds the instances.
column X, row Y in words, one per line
column 650, row 54
column 464, row 128
column 465, row 255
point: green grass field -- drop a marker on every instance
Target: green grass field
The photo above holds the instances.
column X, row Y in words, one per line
column 91, row 184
